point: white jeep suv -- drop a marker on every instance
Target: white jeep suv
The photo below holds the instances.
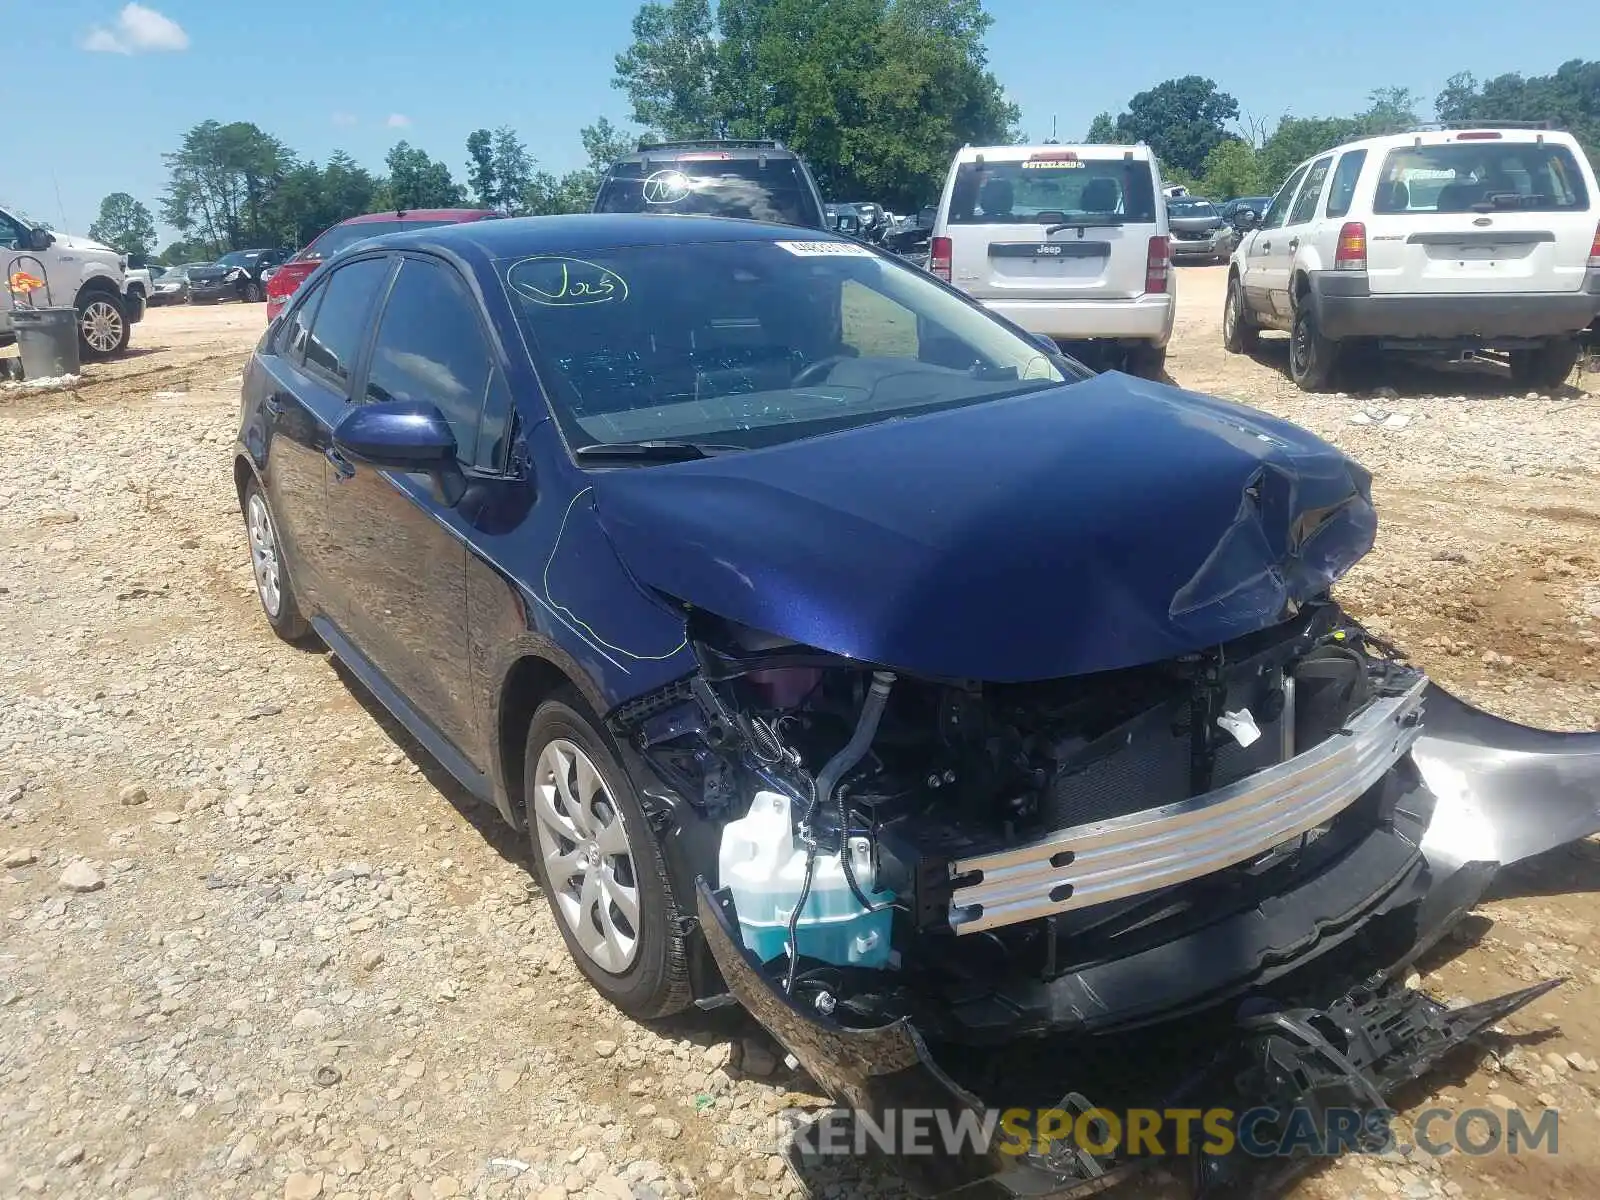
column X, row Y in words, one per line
column 83, row 273
column 1066, row 241
column 1447, row 239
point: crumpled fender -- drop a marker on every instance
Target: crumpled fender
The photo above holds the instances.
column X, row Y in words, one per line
column 1504, row 791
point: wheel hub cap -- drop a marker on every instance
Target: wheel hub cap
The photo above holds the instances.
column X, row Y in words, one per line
column 580, row 834
column 102, row 326
column 264, row 554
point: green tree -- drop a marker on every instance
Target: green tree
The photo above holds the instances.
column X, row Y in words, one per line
column 547, row 195
column 1297, row 139
column 499, row 168
column 876, row 94
column 1102, row 130
column 1233, row 168
column 1390, row 110
column 221, row 183
column 669, row 71
column 1569, row 98
column 125, row 224
column 480, row 167
column 417, row 181
column 1182, row 120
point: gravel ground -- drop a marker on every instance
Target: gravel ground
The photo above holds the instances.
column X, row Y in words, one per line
column 254, row 943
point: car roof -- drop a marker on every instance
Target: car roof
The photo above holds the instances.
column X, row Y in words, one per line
column 1445, row 137
column 422, row 214
column 1022, row 153
column 518, row 237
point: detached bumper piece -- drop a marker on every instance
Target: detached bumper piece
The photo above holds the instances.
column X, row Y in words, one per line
column 1350, row 1053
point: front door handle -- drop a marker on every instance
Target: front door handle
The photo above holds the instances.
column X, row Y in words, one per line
column 1265, row 246
column 343, row 468
column 272, row 407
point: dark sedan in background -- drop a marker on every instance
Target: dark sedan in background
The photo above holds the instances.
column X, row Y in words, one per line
column 234, row 276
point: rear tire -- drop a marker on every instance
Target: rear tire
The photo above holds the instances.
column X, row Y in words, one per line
column 586, row 827
column 274, row 588
column 1311, row 355
column 1239, row 332
column 1147, row 362
column 1548, row 367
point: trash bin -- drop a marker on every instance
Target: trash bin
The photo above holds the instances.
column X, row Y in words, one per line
column 48, row 341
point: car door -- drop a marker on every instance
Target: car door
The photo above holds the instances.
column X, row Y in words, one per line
column 403, row 550
column 1267, row 255
column 1297, row 228
column 307, row 374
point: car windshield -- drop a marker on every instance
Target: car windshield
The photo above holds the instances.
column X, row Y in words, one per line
column 1481, row 176
column 174, row 273
column 341, row 236
column 1045, row 190
column 1191, row 208
column 752, row 343
column 770, row 191
column 239, row 258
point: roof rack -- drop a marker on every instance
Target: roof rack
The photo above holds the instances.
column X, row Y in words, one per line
column 1441, row 126
column 713, row 144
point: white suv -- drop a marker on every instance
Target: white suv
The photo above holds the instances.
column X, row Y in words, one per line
column 1066, row 241
column 1453, row 240
column 83, row 273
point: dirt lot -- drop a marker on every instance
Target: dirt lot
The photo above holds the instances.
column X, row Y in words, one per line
column 253, row 944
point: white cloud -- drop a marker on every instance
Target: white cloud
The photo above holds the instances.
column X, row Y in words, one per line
column 138, row 30
column 398, row 120
column 344, row 119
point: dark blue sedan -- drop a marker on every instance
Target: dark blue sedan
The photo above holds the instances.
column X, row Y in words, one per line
column 848, row 651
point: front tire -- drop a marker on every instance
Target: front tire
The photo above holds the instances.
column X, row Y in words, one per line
column 1548, row 367
column 1239, row 332
column 1311, row 355
column 253, row 293
column 274, row 588
column 103, row 327
column 600, row 864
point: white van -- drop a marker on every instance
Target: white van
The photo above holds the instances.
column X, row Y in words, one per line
column 1068, row 241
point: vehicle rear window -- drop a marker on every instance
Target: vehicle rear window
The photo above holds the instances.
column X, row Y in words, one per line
column 341, row 236
column 771, row 191
column 1038, row 192
column 1481, row 177
column 1191, row 208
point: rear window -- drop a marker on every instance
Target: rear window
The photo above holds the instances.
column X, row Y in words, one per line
column 1481, row 177
column 340, row 236
column 1190, row 208
column 1115, row 191
column 748, row 188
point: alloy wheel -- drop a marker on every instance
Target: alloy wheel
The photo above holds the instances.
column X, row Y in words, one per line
column 101, row 325
column 1230, row 313
column 264, row 554
column 588, row 861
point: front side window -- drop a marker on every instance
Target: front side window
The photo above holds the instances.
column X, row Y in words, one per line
column 1481, row 176
column 713, row 186
column 344, row 316
column 1343, row 191
column 431, row 348
column 1278, row 214
column 1048, row 189
column 751, row 343
column 297, row 331
column 1305, row 205
column 12, row 235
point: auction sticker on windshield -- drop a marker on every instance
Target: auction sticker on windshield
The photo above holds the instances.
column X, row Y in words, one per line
column 826, row 249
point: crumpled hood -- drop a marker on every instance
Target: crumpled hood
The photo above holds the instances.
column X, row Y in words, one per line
column 1092, row 527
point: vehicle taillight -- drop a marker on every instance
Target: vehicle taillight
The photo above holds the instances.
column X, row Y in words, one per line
column 939, row 255
column 1351, row 254
column 1157, row 263
column 1594, row 250
column 1055, row 156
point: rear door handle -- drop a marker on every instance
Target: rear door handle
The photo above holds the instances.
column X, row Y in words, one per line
column 343, row 468
column 1294, row 243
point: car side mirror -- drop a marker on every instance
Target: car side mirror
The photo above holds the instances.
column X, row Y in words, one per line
column 40, row 240
column 1245, row 218
column 403, row 435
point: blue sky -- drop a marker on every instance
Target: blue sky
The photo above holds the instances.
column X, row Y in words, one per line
column 97, row 90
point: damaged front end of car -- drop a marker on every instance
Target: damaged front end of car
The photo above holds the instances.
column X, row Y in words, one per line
column 1196, row 883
